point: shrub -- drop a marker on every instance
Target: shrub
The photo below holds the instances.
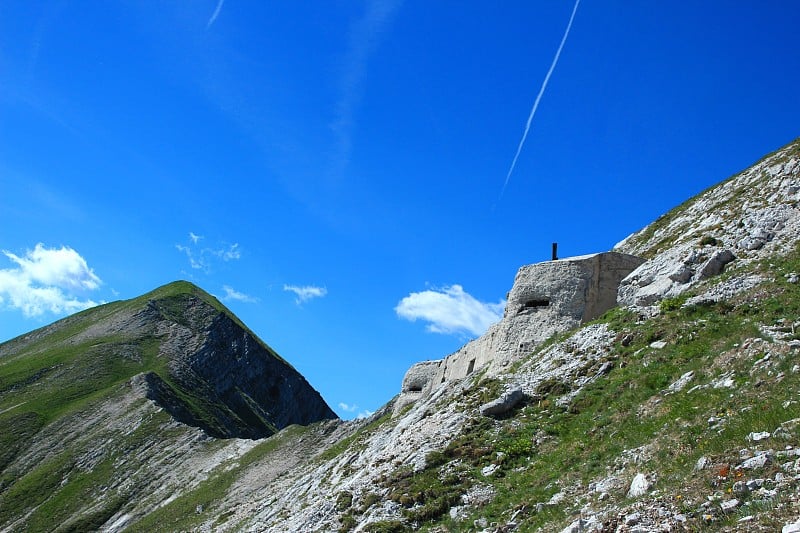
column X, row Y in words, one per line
column 343, row 501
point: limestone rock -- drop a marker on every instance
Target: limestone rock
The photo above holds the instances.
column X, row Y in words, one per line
column 639, row 486
column 756, row 209
column 793, row 527
column 505, row 403
column 715, row 264
column 681, row 382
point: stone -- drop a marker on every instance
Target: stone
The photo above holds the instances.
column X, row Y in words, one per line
column 759, row 436
column 632, row 519
column 639, row 486
column 607, row 485
column 740, row 488
column 759, row 461
column 459, row 512
column 793, row 527
column 682, row 274
column 702, row 463
column 584, row 525
column 505, row 403
column 754, row 484
column 681, row 382
column 658, row 344
column 487, row 471
column 715, row 264
column 750, row 244
column 729, row 505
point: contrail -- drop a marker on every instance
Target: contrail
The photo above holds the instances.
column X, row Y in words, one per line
column 215, row 14
column 539, row 96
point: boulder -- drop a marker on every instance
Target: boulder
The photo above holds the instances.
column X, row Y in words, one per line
column 639, row 486
column 715, row 264
column 505, row 403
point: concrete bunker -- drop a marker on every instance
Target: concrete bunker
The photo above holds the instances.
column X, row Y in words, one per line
column 546, row 298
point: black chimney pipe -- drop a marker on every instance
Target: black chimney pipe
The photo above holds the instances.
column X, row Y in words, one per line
column 555, row 251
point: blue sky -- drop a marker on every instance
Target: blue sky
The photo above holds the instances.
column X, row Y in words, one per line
column 332, row 170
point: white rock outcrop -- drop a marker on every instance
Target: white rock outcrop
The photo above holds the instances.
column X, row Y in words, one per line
column 748, row 217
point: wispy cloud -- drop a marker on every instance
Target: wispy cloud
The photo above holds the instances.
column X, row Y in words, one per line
column 539, row 96
column 305, row 293
column 450, row 310
column 230, row 253
column 215, row 14
column 364, row 35
column 232, row 294
column 190, row 255
column 347, row 407
column 45, row 280
column 352, row 408
column 201, row 258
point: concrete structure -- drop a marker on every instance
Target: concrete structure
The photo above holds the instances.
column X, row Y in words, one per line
column 546, row 298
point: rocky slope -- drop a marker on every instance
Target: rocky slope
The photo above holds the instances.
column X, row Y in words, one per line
column 676, row 411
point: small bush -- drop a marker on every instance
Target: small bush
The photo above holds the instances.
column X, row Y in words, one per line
column 672, row 304
column 344, row 501
column 708, row 240
column 348, row 523
column 370, row 499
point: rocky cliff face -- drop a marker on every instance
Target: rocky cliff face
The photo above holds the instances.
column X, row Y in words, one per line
column 246, row 390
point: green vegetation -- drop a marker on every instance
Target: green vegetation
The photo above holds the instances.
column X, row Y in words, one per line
column 708, row 240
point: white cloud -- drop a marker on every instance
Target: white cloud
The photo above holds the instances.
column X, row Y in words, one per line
column 450, row 310
column 306, row 293
column 47, row 280
column 193, row 261
column 352, row 408
column 231, row 253
column 233, row 294
column 202, row 258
